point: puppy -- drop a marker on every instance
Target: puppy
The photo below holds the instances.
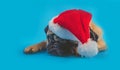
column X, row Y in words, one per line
column 58, row 46
column 96, row 34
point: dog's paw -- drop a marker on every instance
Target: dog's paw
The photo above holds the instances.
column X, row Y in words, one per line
column 31, row 49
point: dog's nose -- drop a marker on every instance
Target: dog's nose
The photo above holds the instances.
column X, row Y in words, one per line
column 55, row 51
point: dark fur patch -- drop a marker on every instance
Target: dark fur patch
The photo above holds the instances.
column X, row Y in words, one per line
column 46, row 29
column 93, row 35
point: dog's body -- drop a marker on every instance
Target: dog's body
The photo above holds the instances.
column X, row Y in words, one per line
column 62, row 47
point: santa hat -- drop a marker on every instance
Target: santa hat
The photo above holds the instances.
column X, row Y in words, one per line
column 74, row 25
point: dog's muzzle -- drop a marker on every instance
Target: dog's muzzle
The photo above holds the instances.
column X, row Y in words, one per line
column 60, row 49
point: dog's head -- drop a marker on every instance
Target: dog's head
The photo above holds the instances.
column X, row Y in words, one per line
column 62, row 47
column 59, row 46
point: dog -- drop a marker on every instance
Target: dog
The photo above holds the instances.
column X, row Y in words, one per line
column 58, row 46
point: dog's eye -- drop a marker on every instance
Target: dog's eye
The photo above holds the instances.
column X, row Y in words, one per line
column 50, row 38
column 56, row 38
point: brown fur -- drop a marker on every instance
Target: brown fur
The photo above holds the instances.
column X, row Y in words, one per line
column 40, row 46
column 98, row 31
column 36, row 47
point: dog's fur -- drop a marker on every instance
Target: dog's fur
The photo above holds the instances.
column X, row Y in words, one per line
column 43, row 45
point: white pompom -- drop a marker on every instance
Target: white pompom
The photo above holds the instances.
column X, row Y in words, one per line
column 88, row 49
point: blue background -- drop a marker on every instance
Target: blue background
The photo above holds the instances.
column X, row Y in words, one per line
column 22, row 23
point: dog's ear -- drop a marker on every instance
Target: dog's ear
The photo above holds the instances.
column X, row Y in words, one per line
column 46, row 29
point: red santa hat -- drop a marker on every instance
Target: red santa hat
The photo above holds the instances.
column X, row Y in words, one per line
column 74, row 25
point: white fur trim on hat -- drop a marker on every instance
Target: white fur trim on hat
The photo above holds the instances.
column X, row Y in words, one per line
column 60, row 31
column 88, row 49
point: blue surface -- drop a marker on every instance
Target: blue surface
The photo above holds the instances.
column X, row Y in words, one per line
column 22, row 24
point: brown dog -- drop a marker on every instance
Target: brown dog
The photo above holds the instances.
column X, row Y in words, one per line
column 43, row 45
column 71, row 33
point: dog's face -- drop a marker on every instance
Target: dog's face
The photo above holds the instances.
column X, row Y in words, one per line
column 62, row 47
column 58, row 46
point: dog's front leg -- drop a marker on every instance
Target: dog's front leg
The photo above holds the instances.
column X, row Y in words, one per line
column 36, row 48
